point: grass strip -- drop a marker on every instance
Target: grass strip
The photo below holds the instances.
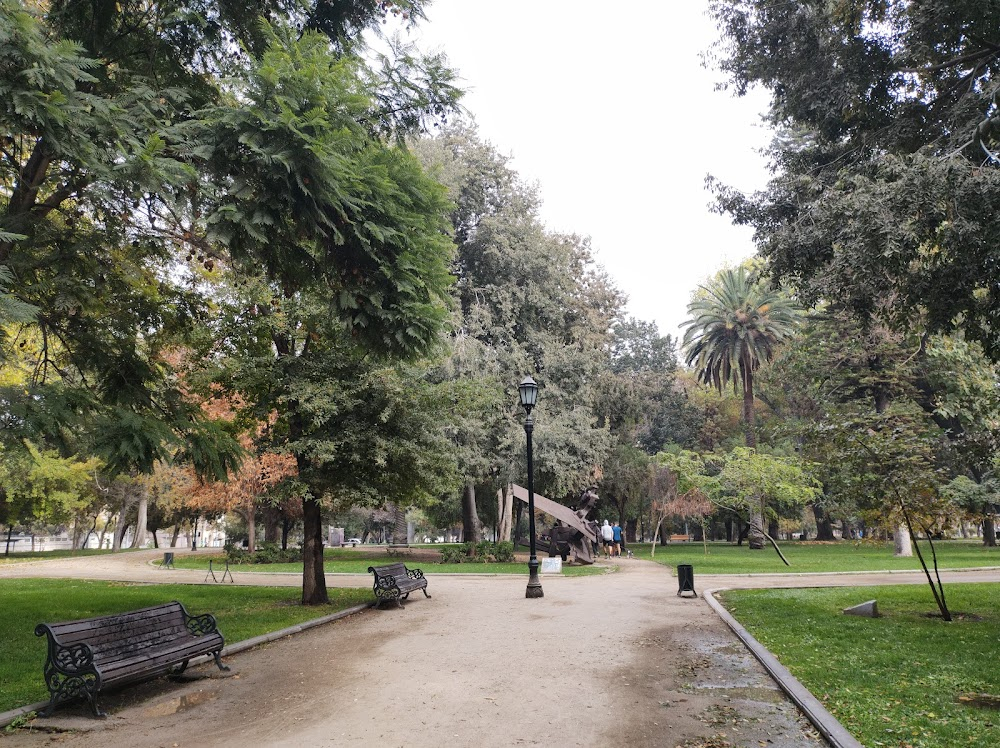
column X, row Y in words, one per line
column 811, row 557
column 242, row 613
column 896, row 680
column 348, row 561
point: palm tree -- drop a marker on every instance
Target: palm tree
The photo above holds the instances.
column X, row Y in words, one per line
column 736, row 325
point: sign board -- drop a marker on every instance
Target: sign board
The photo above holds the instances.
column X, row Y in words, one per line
column 551, row 565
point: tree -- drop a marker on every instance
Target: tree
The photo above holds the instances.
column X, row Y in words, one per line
column 736, row 326
column 885, row 167
column 82, row 145
column 675, row 485
column 527, row 301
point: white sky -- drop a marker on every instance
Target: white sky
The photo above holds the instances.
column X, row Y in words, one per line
column 608, row 109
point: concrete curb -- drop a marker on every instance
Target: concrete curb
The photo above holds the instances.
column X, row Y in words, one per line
column 833, row 732
column 971, row 569
column 7, row 717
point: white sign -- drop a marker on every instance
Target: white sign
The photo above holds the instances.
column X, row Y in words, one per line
column 551, row 565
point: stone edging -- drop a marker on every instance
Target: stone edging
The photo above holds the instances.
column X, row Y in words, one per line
column 7, row 717
column 834, row 732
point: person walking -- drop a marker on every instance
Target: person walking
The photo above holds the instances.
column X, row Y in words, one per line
column 608, row 537
column 616, row 538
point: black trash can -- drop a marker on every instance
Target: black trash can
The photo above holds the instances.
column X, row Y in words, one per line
column 685, row 579
column 168, row 561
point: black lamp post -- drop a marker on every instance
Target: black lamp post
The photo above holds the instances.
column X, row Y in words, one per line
column 528, row 392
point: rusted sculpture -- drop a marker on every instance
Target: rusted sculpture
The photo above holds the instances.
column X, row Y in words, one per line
column 573, row 532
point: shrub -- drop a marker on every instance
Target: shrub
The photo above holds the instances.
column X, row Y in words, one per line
column 503, row 552
column 266, row 553
column 451, row 555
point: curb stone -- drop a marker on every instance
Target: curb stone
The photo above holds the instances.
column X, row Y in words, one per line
column 832, row 731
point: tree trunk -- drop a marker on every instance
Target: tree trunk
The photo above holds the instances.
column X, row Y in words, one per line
column 251, row 519
column 749, row 430
column 286, row 527
column 505, row 511
column 824, row 527
column 902, row 542
column 176, row 534
column 630, row 530
column 272, row 522
column 755, row 536
column 140, row 522
column 773, row 528
column 470, row 518
column 989, row 532
column 119, row 536
column 313, row 576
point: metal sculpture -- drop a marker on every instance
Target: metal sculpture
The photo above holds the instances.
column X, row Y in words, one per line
column 573, row 532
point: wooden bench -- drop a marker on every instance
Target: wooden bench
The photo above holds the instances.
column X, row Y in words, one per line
column 396, row 582
column 679, row 538
column 91, row 654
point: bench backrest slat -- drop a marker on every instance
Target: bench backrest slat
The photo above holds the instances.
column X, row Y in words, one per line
column 390, row 570
column 114, row 636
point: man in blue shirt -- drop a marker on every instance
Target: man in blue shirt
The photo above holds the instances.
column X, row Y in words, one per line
column 616, row 534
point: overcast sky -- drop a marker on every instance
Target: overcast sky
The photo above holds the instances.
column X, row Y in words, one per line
column 609, row 110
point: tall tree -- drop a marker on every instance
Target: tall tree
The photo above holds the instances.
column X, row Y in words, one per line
column 886, row 162
column 736, row 326
column 528, row 302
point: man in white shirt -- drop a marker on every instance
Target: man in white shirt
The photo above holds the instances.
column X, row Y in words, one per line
column 607, row 538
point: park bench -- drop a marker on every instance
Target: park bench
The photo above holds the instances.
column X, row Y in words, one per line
column 91, row 654
column 396, row 582
column 679, row 538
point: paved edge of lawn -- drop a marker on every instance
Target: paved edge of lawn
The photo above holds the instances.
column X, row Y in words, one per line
column 7, row 718
column 828, row 725
column 918, row 570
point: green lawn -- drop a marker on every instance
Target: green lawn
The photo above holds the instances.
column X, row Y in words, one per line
column 723, row 558
column 242, row 613
column 895, row 680
column 357, row 561
column 22, row 556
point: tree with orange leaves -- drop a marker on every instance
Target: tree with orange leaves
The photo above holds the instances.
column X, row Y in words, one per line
column 675, row 489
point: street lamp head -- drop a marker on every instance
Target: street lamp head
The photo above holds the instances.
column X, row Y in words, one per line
column 528, row 392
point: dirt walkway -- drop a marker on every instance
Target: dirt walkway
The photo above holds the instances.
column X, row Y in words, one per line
column 615, row 659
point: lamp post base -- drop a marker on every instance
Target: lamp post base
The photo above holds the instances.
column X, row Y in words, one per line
column 534, row 585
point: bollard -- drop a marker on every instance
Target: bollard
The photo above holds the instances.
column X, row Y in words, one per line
column 685, row 579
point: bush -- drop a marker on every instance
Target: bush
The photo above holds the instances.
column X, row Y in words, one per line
column 504, row 552
column 266, row 553
column 482, row 552
column 451, row 555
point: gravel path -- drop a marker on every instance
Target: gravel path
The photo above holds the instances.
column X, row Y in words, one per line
column 616, row 659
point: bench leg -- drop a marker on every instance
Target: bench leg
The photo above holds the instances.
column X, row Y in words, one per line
column 218, row 660
column 92, row 698
column 425, row 592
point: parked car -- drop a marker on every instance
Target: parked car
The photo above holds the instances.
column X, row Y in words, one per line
column 353, row 542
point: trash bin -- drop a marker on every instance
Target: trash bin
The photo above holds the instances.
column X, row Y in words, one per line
column 685, row 579
column 168, row 561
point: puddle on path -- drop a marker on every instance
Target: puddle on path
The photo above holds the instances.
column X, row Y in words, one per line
column 181, row 704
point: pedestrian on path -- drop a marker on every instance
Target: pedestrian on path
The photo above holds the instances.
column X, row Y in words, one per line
column 616, row 536
column 608, row 536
